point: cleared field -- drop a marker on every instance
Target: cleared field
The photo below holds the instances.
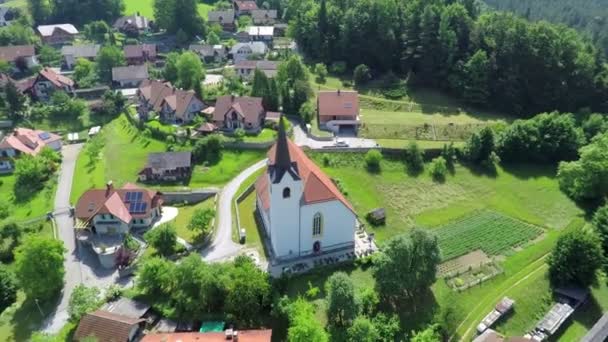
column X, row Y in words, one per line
column 485, row 230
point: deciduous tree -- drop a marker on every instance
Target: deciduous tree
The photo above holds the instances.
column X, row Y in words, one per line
column 82, row 301
column 8, row 288
column 575, row 259
column 163, row 239
column 341, row 303
column 39, row 267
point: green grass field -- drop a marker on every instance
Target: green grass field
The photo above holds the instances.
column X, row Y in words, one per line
column 185, row 215
column 246, row 211
column 37, row 205
column 485, row 230
column 146, row 8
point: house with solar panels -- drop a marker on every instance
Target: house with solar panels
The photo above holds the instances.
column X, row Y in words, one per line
column 25, row 141
column 105, row 216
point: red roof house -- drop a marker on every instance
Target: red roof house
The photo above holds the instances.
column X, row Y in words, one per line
column 49, row 81
column 338, row 108
column 25, row 141
column 172, row 104
column 232, row 112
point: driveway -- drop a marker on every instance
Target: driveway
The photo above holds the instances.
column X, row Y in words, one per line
column 81, row 265
column 222, row 246
column 302, row 139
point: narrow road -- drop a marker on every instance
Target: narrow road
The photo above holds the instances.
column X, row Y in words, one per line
column 222, row 245
column 80, row 266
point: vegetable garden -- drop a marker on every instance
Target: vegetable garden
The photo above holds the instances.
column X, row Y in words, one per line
column 485, row 230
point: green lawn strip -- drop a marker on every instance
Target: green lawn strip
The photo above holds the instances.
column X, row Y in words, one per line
column 185, row 215
column 423, row 144
column 37, row 205
column 146, row 8
column 232, row 163
column 265, row 135
column 246, row 216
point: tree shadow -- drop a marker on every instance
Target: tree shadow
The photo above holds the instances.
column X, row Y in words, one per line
column 421, row 309
column 29, row 318
column 481, row 170
column 587, row 315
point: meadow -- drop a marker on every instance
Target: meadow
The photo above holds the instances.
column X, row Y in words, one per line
column 35, row 205
column 185, row 215
column 146, row 8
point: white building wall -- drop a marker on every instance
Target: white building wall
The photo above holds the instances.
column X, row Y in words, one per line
column 284, row 217
column 338, row 228
column 108, row 224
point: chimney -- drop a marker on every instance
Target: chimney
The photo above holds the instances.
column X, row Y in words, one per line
column 109, row 188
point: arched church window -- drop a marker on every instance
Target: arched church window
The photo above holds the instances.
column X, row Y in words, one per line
column 286, row 193
column 317, row 224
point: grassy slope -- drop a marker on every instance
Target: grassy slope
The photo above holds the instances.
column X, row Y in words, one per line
column 38, row 205
column 146, row 8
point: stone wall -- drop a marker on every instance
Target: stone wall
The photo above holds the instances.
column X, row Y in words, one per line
column 194, row 196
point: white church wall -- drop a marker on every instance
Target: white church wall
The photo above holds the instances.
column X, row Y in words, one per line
column 284, row 217
column 338, row 226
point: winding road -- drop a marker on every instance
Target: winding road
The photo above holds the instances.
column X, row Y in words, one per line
column 222, row 245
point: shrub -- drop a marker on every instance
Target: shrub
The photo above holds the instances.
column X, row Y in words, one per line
column 438, row 169
column 307, row 111
column 373, row 159
column 361, row 75
column 82, row 301
column 338, row 68
column 321, row 72
column 8, row 288
column 4, row 209
column 414, row 158
column 163, row 239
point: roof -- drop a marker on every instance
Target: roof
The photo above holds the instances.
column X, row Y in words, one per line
column 261, row 30
column 273, row 116
column 207, row 50
column 49, row 30
column 262, row 65
column 599, row 331
column 81, row 51
column 489, row 336
column 58, row 80
column 207, row 127
column 127, row 307
column 249, row 108
column 157, row 93
column 137, row 51
column 139, row 21
column 246, row 5
column 106, row 326
column 263, row 14
column 255, row 47
column 317, row 185
column 339, row 103
column 28, row 141
column 131, row 72
column 12, row 53
column 118, row 202
column 222, row 17
column 264, row 335
column 169, row 160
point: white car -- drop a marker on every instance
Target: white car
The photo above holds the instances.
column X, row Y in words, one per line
column 340, row 143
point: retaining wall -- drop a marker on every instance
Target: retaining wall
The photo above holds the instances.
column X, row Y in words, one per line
column 194, row 196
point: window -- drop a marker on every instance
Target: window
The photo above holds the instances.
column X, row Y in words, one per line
column 286, row 193
column 317, row 224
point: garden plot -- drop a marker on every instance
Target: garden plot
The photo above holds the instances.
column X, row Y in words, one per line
column 484, row 230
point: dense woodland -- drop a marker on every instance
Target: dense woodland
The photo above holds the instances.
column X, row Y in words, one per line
column 588, row 16
column 493, row 59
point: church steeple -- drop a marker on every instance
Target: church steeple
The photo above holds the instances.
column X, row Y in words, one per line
column 282, row 159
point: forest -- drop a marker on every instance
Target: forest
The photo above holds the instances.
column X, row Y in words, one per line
column 587, row 16
column 492, row 59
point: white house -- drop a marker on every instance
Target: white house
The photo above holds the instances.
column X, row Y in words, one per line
column 303, row 212
column 242, row 51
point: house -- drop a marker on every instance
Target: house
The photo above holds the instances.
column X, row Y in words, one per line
column 129, row 76
column 19, row 56
column 244, row 112
column 132, row 24
column 245, row 51
column 246, row 68
column 127, row 307
column 49, row 81
column 7, row 15
column 172, row 104
column 106, row 326
column 338, row 110
column 167, row 167
column 244, row 7
column 264, row 17
column 140, row 54
column 261, row 33
column 209, row 53
column 57, row 34
column 71, row 53
column 264, row 335
column 226, row 19
column 25, row 141
column 303, row 213
column 104, row 216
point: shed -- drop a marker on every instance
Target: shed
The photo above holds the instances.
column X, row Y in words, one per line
column 377, row 217
column 128, row 307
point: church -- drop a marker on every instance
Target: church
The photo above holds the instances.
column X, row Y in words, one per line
column 303, row 212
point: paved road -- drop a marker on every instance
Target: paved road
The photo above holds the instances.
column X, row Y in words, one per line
column 81, row 266
column 302, row 139
column 222, row 245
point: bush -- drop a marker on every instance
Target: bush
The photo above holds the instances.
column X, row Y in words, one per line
column 321, row 72
column 373, row 159
column 338, row 68
column 208, row 149
column 4, row 209
column 361, row 75
column 82, row 301
column 307, row 111
column 163, row 239
column 414, row 158
column 438, row 169
column 8, row 288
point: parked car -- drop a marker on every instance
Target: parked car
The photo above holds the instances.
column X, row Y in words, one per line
column 340, row 143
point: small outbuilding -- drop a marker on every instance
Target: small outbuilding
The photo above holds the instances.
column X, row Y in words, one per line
column 377, row 217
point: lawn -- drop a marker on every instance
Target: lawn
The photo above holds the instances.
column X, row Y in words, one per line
column 184, row 217
column 146, row 8
column 246, row 209
column 36, row 205
column 265, row 135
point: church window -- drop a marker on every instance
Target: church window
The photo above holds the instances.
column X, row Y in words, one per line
column 286, row 193
column 317, row 224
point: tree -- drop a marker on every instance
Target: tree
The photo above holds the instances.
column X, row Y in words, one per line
column 363, row 330
column 387, row 326
column 407, row 265
column 84, row 72
column 82, row 301
column 109, row 57
column 430, row 334
column 155, row 277
column 438, row 169
column 303, row 327
column 201, row 221
column 259, row 84
column 208, row 149
column 587, row 178
column 307, row 111
column 4, row 209
column 594, row 125
column 170, row 70
column 30, row 172
column 179, row 15
column 40, row 10
column 477, row 79
column 361, row 75
column 39, row 267
column 8, row 288
column 163, row 239
column 414, row 157
column 575, row 259
column 600, row 223
column 321, row 72
column 480, row 146
column 248, row 291
column 341, row 304
column 15, row 100
column 373, row 159
column 449, row 154
column 96, row 31
column 213, row 38
column 49, row 56
column 189, row 70
column 10, row 234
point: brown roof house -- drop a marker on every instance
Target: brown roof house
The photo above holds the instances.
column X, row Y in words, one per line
column 19, row 56
column 106, row 215
column 167, row 167
column 245, row 68
column 244, row 112
column 71, row 53
column 264, row 16
column 132, row 23
column 173, row 105
column 140, row 54
column 130, row 76
column 338, row 110
column 25, row 141
column 244, row 7
column 105, row 326
column 49, row 81
column 57, row 34
column 210, row 53
column 226, row 19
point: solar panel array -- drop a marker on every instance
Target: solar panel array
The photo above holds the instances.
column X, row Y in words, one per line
column 138, row 207
column 44, row 136
column 133, row 196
